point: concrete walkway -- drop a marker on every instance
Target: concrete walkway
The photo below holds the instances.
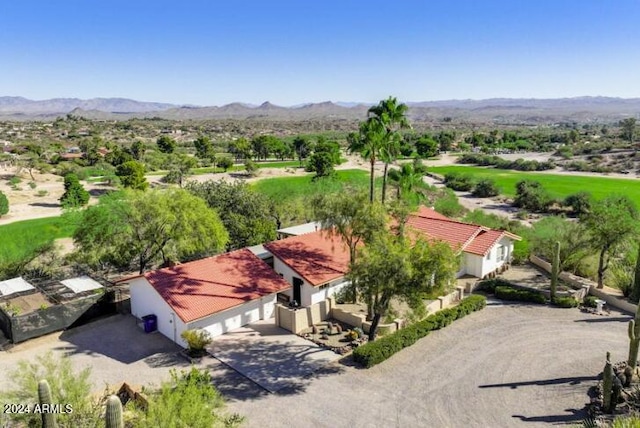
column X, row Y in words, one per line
column 270, row 356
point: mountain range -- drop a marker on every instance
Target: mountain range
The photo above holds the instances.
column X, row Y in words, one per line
column 506, row 110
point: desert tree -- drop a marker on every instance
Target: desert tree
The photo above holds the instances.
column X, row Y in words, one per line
column 245, row 213
column 166, row 144
column 302, row 148
column 628, row 129
column 142, row 229
column 393, row 266
column 131, row 175
column 610, row 222
column 74, row 195
column 573, row 235
column 349, row 216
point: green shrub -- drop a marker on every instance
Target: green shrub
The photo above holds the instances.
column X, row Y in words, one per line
column 458, row 181
column 590, row 301
column 489, row 285
column 509, row 293
column 565, row 302
column 197, row 340
column 485, row 188
column 448, row 204
column 372, row 353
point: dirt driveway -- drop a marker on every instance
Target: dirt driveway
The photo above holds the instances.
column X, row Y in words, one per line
column 508, row 365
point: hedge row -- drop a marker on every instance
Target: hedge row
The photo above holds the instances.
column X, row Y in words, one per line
column 565, row 302
column 372, row 353
column 489, row 285
column 506, row 291
column 510, row 293
column 500, row 163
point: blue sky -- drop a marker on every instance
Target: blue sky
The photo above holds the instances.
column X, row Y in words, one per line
column 292, row 52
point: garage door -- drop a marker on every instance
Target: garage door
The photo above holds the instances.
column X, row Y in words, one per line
column 230, row 319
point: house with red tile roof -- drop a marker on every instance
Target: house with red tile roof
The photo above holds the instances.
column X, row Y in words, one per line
column 315, row 264
column 217, row 294
column 483, row 250
column 228, row 291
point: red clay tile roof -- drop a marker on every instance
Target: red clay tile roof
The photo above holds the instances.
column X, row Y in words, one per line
column 203, row 287
column 430, row 213
column 469, row 238
column 317, row 257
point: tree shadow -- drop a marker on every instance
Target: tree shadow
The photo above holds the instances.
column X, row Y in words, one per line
column 281, row 366
column 44, row 205
column 604, row 319
column 99, row 192
column 568, row 380
column 574, row 416
column 119, row 337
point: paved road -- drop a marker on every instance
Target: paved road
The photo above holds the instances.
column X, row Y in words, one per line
column 508, row 365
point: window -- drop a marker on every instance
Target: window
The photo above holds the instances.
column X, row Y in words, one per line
column 502, row 253
column 489, row 255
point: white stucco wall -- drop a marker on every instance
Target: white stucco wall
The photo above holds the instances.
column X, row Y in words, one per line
column 480, row 266
column 318, row 294
column 236, row 317
column 309, row 294
column 145, row 300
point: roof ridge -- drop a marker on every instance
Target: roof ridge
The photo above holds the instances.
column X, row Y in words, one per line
column 192, row 262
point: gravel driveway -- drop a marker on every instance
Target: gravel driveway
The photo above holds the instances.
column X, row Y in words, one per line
column 508, row 365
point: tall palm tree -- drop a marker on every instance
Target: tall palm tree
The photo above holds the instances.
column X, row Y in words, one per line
column 368, row 142
column 392, row 117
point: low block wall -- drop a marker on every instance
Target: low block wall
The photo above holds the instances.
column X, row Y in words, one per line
column 613, row 301
column 574, row 281
column 296, row 320
column 341, row 315
column 586, row 286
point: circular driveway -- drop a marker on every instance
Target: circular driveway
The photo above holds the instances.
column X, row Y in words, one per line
column 507, row 365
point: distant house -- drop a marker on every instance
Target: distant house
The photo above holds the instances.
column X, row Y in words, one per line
column 217, row 294
column 484, row 251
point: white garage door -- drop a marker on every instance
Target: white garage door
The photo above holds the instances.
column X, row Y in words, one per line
column 230, row 319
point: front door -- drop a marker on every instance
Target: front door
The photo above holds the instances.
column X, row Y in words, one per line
column 297, row 290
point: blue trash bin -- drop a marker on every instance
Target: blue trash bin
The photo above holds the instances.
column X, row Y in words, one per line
column 150, row 323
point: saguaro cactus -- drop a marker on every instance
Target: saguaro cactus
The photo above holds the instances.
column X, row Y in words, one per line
column 113, row 415
column 607, row 383
column 634, row 344
column 555, row 270
column 44, row 398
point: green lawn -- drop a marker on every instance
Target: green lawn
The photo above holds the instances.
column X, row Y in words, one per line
column 19, row 239
column 294, row 187
column 559, row 186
